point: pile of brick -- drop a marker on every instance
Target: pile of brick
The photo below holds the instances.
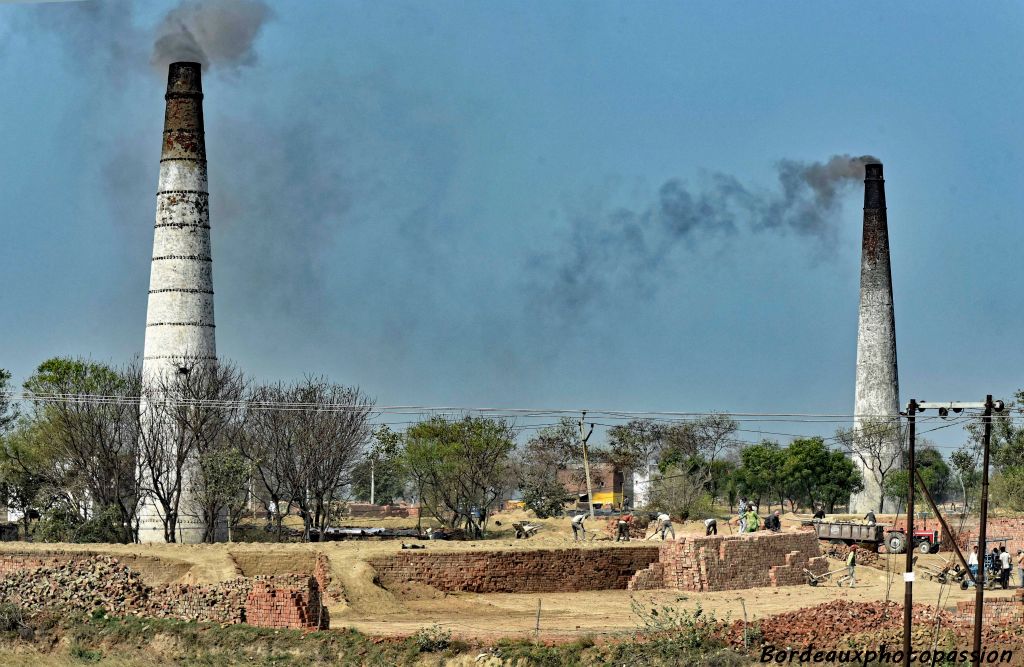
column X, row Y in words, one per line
column 721, row 563
column 827, row 624
column 544, row 570
column 82, row 584
column 649, row 579
column 216, row 603
column 637, row 527
column 865, row 557
column 90, row 582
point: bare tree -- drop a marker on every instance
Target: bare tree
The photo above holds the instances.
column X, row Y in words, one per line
column 189, row 412
column 268, row 441
column 307, row 439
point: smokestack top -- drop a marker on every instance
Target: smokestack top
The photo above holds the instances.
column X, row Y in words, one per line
column 874, row 186
column 184, row 78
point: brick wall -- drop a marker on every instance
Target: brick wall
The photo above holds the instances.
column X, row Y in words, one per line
column 722, row 563
column 995, row 610
column 550, row 570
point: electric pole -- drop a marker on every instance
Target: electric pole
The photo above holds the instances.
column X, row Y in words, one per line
column 989, row 407
column 586, row 464
column 908, row 576
column 979, row 595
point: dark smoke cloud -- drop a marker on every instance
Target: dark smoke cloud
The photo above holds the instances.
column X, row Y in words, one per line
column 626, row 250
column 217, row 33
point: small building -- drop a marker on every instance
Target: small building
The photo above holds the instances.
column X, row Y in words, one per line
column 613, row 487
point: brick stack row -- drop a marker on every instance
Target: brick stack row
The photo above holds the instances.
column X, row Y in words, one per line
column 721, row 563
column 281, row 604
column 550, row 570
column 995, row 610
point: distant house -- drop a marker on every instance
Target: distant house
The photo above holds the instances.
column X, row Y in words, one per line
column 612, row 486
column 642, row 480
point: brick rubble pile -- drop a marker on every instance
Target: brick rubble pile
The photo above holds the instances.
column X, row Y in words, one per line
column 84, row 584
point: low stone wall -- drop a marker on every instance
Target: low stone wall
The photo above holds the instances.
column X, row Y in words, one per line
column 548, row 570
column 83, row 582
column 722, row 563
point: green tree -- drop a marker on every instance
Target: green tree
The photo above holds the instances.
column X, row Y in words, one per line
column 461, row 469
column 24, row 460
column 934, row 472
column 93, row 443
column 379, row 477
column 760, row 473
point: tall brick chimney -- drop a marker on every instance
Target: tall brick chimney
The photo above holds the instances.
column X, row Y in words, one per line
column 179, row 317
column 877, row 388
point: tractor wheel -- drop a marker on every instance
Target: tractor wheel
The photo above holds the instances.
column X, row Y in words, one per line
column 812, row 581
column 963, row 585
column 924, row 547
column 896, row 542
column 934, row 549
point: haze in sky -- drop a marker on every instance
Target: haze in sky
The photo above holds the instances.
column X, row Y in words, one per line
column 597, row 205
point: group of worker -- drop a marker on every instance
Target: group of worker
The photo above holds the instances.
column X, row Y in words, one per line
column 750, row 522
column 999, row 564
column 622, row 526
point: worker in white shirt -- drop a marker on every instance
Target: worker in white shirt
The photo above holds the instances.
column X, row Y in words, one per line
column 710, row 527
column 972, row 564
column 578, row 529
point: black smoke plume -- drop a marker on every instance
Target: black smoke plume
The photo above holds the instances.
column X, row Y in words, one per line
column 626, row 250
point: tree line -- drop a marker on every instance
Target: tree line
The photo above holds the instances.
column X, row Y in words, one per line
column 94, row 440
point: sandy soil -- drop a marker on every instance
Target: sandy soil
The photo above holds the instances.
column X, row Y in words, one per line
column 356, row 601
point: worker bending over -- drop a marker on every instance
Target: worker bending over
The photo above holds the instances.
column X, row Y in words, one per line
column 578, row 529
column 710, row 527
column 623, row 527
column 665, row 521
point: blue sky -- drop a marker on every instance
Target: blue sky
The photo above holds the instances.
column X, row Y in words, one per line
column 385, row 176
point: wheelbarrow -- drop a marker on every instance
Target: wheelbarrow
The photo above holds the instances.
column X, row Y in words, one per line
column 815, row 579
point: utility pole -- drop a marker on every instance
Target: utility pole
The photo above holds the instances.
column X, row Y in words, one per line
column 979, row 595
column 373, row 464
column 989, row 407
column 908, row 576
column 586, row 464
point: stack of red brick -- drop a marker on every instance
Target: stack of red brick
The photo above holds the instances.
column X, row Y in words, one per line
column 721, row 563
column 995, row 610
column 292, row 601
column 543, row 570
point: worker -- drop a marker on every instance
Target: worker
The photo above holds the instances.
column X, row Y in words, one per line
column 773, row 522
column 1004, row 567
column 972, row 564
column 578, row 529
column 752, row 521
column 665, row 521
column 743, row 515
column 711, row 528
column 820, row 514
column 1020, row 566
column 870, row 517
column 623, row 527
column 851, row 565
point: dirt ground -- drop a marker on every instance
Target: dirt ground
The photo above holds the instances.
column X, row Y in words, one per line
column 357, row 601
